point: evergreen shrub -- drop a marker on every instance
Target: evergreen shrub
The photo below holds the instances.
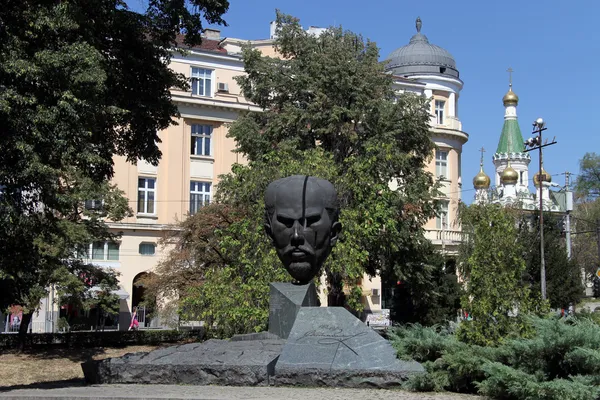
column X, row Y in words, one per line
column 561, row 360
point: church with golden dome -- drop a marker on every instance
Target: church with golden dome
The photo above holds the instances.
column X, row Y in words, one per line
column 511, row 162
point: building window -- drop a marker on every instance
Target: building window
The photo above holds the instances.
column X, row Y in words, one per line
column 93, row 205
column 439, row 111
column 147, row 249
column 201, row 135
column 105, row 251
column 521, row 177
column 441, row 164
column 146, row 195
column 199, row 195
column 441, row 221
column 202, row 81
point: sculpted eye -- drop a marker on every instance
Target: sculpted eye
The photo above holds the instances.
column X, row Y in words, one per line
column 288, row 222
column 312, row 220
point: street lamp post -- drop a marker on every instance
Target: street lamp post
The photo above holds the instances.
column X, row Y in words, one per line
column 536, row 143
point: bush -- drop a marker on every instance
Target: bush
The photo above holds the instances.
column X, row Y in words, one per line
column 591, row 315
column 561, row 360
column 419, row 343
column 102, row 339
column 508, row 383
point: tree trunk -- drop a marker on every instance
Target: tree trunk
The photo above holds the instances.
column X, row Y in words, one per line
column 102, row 321
column 97, row 319
column 23, row 330
column 336, row 296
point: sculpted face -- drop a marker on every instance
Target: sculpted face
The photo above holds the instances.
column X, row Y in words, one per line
column 299, row 212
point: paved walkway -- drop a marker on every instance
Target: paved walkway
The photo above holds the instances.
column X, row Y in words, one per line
column 152, row 392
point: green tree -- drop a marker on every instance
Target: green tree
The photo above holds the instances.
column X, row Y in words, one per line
column 328, row 94
column 586, row 214
column 588, row 181
column 81, row 81
column 217, row 272
column 329, row 110
column 432, row 300
column 563, row 276
column 493, row 268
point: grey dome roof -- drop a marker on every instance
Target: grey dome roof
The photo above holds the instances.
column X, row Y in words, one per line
column 419, row 56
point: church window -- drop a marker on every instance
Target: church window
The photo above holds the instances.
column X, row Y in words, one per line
column 521, row 177
column 439, row 111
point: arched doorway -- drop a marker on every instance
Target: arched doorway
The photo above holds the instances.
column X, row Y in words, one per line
column 139, row 299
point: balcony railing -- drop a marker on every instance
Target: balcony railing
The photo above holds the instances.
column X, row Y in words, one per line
column 447, row 237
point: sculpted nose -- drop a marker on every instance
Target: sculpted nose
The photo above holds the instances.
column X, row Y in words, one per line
column 297, row 235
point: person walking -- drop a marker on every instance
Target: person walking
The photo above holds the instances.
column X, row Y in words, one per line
column 135, row 325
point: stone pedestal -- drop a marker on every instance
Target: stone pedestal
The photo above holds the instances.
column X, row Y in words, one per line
column 306, row 346
column 329, row 346
column 214, row 362
column 285, row 303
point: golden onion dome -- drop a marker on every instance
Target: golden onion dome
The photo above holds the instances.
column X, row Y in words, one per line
column 510, row 98
column 536, row 178
column 481, row 180
column 509, row 176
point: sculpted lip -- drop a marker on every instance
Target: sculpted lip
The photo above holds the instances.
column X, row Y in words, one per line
column 298, row 254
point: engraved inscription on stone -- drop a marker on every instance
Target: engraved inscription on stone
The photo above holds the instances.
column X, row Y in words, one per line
column 331, row 335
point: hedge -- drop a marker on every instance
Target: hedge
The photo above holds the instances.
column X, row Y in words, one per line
column 101, row 339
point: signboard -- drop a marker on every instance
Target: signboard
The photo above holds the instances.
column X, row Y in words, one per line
column 379, row 318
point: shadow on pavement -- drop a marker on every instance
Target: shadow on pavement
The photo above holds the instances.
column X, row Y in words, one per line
column 46, row 385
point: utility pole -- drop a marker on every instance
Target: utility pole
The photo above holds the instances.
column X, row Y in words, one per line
column 569, row 207
column 536, row 143
column 598, row 239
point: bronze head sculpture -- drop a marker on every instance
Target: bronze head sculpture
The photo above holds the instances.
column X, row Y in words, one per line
column 301, row 217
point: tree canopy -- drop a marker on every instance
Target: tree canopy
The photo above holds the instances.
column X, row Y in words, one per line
column 586, row 214
column 492, row 265
column 81, row 81
column 328, row 110
column 588, row 181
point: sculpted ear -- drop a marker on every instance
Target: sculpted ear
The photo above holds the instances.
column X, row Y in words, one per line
column 336, row 228
column 267, row 225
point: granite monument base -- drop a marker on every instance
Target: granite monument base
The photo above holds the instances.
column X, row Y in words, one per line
column 286, row 300
column 305, row 345
column 328, row 346
column 214, row 362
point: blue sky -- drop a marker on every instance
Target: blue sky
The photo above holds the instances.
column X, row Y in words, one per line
column 553, row 47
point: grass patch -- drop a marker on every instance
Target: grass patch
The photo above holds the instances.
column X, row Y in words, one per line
column 53, row 365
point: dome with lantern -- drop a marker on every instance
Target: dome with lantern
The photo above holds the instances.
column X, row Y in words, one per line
column 509, row 176
column 481, row 180
column 421, row 57
column 510, row 98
